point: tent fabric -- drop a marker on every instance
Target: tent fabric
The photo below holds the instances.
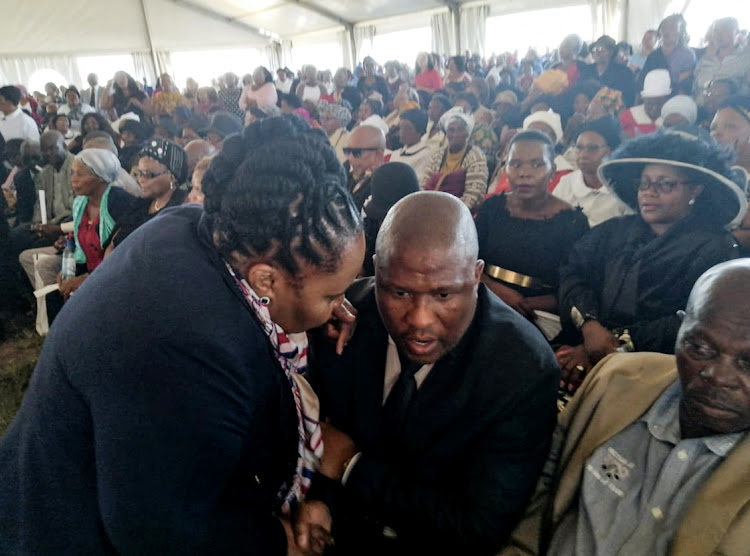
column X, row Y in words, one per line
column 473, row 24
column 443, row 36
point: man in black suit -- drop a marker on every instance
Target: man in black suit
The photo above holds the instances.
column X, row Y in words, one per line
column 439, row 457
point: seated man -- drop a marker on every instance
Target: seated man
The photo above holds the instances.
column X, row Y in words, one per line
column 651, row 455
column 443, row 402
column 364, row 152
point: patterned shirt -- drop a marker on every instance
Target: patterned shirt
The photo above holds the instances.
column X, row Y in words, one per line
column 230, row 101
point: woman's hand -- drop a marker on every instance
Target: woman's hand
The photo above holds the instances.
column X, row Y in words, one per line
column 339, row 448
column 341, row 326
column 60, row 243
column 69, row 286
column 312, row 527
column 574, row 364
column 511, row 297
column 598, row 341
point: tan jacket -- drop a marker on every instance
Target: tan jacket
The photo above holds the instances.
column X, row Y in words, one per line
column 614, row 395
column 45, row 180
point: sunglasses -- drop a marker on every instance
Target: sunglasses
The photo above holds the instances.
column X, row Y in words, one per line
column 148, row 175
column 356, row 152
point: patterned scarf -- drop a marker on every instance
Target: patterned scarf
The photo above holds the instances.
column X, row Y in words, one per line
column 291, row 353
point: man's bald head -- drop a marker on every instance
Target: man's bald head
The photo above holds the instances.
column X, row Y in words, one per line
column 428, row 220
column 100, row 140
column 722, row 287
column 52, row 144
column 427, row 274
column 367, row 136
column 713, row 353
column 196, row 150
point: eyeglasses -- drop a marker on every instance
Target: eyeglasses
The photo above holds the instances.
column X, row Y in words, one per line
column 356, row 152
column 589, row 148
column 661, row 186
column 137, row 174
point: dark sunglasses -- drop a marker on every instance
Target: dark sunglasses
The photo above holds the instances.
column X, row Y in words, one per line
column 357, row 152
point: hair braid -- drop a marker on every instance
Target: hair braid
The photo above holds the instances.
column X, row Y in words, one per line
column 279, row 190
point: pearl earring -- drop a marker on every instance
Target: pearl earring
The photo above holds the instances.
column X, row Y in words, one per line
column 691, row 202
column 265, row 301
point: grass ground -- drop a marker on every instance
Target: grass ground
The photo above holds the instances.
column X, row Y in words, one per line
column 18, row 356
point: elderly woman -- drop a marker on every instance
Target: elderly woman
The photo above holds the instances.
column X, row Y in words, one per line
column 178, row 418
column 627, row 278
column 166, row 100
column 334, row 118
column 97, row 209
column 460, row 168
column 162, row 169
column 260, row 94
column 426, row 77
column 525, row 235
column 415, row 151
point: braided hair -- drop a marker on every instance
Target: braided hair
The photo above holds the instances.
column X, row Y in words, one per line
column 278, row 190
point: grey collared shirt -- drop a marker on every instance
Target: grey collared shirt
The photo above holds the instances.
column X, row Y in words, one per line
column 637, row 486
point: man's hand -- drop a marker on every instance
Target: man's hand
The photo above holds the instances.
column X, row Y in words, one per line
column 312, row 527
column 49, row 230
column 67, row 287
column 341, row 327
column 511, row 297
column 60, row 243
column 338, row 449
column 597, row 340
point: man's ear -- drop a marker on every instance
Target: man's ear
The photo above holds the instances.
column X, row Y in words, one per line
column 262, row 278
column 478, row 270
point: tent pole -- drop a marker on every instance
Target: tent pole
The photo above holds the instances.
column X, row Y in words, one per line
column 353, row 46
column 154, row 59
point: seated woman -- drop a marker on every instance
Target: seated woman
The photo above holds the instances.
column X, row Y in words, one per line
column 415, row 151
column 482, row 136
column 260, row 94
column 459, row 168
column 525, row 235
column 97, row 210
column 627, row 278
column 162, row 169
column 93, row 121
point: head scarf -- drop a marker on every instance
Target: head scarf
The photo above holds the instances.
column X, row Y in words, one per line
column 418, row 119
column 682, row 105
column 169, row 154
column 611, row 100
column 101, row 162
column 457, row 113
column 552, row 119
column 341, row 113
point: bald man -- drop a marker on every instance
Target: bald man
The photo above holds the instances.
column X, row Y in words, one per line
column 442, row 404
column 195, row 150
column 364, row 153
column 652, row 453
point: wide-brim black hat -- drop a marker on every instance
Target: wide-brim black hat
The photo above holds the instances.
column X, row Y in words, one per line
column 723, row 198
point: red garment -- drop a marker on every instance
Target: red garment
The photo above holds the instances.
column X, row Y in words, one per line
column 88, row 239
column 429, row 79
column 635, row 128
column 573, row 74
column 453, row 182
column 503, row 185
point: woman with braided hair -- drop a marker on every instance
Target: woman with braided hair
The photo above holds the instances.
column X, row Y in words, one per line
column 167, row 413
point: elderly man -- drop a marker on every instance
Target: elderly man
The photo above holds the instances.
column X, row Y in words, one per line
column 364, row 153
column 651, row 455
column 14, row 122
column 195, row 150
column 443, row 401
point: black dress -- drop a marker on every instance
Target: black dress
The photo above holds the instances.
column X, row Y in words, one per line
column 535, row 248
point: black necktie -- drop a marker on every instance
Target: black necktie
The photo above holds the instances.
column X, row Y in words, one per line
column 398, row 402
column 92, row 101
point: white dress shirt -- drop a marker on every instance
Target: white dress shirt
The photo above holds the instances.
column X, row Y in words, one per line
column 18, row 125
column 597, row 204
column 417, row 156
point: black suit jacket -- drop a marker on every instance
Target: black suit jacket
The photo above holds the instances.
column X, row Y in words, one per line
column 474, row 443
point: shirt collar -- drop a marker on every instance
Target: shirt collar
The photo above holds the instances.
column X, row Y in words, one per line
column 663, row 422
column 580, row 189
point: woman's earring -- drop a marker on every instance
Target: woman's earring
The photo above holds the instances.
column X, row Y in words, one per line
column 265, row 301
column 171, row 186
column 691, row 202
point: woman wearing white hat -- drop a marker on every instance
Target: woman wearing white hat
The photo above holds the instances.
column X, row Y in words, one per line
column 646, row 118
column 627, row 278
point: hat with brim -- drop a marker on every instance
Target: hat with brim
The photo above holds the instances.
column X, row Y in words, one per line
column 722, row 200
column 223, row 124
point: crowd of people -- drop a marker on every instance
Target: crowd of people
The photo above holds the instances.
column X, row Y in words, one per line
column 528, row 236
